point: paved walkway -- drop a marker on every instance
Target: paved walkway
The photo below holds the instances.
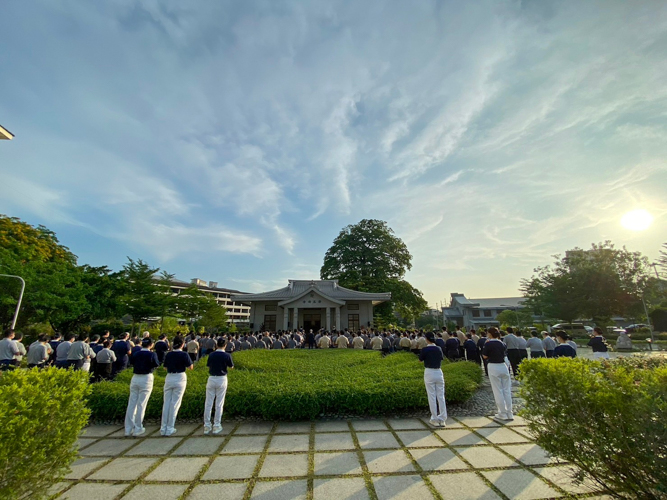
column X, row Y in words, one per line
column 473, row 458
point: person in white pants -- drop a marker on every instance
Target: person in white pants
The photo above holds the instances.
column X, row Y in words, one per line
column 144, row 363
column 176, row 362
column 432, row 357
column 494, row 352
column 218, row 362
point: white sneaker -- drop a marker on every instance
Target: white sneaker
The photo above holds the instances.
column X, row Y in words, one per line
column 207, row 430
column 217, row 429
column 128, row 434
column 442, row 423
column 170, row 432
column 140, row 432
column 434, row 423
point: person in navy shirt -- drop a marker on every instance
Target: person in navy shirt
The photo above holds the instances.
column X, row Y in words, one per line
column 161, row 347
column 121, row 348
column 564, row 350
column 494, row 352
column 452, row 346
column 218, row 363
column 439, row 342
column 472, row 354
column 141, row 386
column 176, row 362
column 599, row 344
column 432, row 357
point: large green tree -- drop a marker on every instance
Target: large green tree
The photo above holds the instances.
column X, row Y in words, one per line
column 369, row 257
column 598, row 283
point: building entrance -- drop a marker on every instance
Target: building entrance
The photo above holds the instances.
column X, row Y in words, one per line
column 312, row 321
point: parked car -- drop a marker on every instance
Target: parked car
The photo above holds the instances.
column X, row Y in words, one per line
column 572, row 329
column 589, row 329
column 635, row 327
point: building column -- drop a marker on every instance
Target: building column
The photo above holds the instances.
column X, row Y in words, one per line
column 338, row 325
column 295, row 325
column 285, row 317
column 328, row 319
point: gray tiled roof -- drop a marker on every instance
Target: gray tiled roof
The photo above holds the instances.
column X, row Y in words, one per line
column 330, row 288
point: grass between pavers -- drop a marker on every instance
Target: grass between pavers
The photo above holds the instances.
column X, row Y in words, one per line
column 301, row 385
column 368, row 476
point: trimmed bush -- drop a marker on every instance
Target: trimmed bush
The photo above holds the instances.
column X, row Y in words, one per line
column 42, row 413
column 607, row 418
column 301, row 384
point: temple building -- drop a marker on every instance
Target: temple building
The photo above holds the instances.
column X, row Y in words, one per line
column 311, row 304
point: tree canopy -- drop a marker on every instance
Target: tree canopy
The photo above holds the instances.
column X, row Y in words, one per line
column 369, row 257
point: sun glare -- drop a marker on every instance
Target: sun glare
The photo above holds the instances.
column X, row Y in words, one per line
column 637, row 220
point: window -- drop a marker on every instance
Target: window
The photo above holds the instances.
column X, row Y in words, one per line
column 270, row 308
column 475, row 313
column 488, row 313
column 353, row 322
column 270, row 322
column 353, row 307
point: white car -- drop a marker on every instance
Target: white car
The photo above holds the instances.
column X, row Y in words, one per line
column 589, row 329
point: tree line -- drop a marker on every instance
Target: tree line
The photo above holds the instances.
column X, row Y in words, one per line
column 69, row 297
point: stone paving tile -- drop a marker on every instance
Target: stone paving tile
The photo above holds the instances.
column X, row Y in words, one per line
column 352, row 488
column 83, row 442
column 388, row 461
column 477, row 422
column 502, row 436
column 124, row 469
column 199, row 446
column 54, row 489
column 369, row 425
column 254, row 428
column 482, row 457
column 177, row 469
column 154, row 446
column 298, row 442
column 377, row 440
column 84, row 466
column 331, row 426
column 405, row 423
column 98, row 491
column 520, row 484
column 516, row 422
column 450, row 423
column 108, row 447
column 284, row 466
column 338, row 441
column 280, row 490
column 401, row 488
column 156, row 492
column 293, row 428
column 99, row 430
column 150, row 429
column 245, row 444
column 459, row 437
column 463, row 486
column 437, row 459
column 415, row 439
column 330, row 464
column 524, row 431
column 223, row 467
column 529, row 454
column 226, row 491
column 563, row 476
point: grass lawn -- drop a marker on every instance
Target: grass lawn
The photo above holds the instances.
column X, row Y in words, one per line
column 301, row 384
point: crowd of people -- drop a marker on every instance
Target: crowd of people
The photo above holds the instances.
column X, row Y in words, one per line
column 498, row 352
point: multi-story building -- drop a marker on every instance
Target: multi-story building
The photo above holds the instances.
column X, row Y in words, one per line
column 236, row 311
column 476, row 313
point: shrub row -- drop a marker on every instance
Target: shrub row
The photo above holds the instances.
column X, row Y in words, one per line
column 297, row 385
column 42, row 413
column 607, row 418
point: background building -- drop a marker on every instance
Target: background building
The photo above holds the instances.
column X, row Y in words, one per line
column 476, row 313
column 236, row 312
column 312, row 304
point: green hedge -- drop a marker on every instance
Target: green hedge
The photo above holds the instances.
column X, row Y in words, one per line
column 608, row 418
column 301, row 384
column 42, row 413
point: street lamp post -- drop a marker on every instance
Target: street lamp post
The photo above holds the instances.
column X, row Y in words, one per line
column 18, row 305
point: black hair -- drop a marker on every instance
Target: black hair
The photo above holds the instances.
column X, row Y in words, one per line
column 221, row 342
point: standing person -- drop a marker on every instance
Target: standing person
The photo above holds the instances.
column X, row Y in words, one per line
column 535, row 345
column 63, row 351
column 513, row 351
column 79, row 352
column 452, row 347
column 480, row 346
column 192, row 348
column 218, row 362
column 499, row 375
column 310, row 339
column 549, row 344
column 122, row 350
column 599, row 344
column 462, row 340
column 564, row 349
column 176, row 362
column 8, row 350
column 161, row 347
column 342, row 342
column 432, row 357
column 22, row 352
column 54, row 343
column 472, row 354
column 144, row 363
column 440, row 342
column 523, row 347
column 38, row 353
column 405, row 342
column 104, row 362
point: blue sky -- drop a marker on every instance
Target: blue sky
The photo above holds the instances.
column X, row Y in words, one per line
column 231, row 141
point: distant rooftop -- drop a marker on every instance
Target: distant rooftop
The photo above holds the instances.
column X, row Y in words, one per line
column 5, row 134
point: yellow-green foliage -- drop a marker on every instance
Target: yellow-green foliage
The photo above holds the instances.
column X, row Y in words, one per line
column 608, row 418
column 42, row 413
column 302, row 384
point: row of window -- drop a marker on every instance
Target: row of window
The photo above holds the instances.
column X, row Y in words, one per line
column 488, row 313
